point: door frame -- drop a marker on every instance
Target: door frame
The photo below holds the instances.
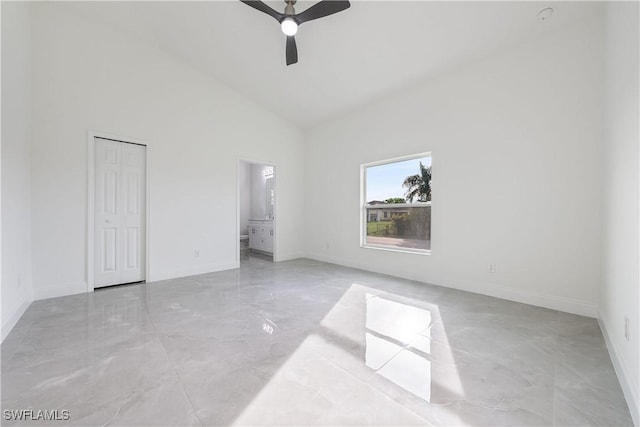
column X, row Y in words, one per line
column 91, row 158
column 275, row 204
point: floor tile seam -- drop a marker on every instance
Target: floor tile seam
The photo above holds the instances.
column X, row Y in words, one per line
column 184, row 391
column 387, row 397
column 175, row 370
column 131, row 395
column 495, row 407
column 448, row 345
column 516, row 330
column 88, row 368
column 591, row 385
column 113, row 418
column 481, row 356
column 368, row 384
column 528, row 381
column 405, row 347
column 128, row 396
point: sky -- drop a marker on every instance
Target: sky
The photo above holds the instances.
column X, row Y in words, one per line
column 385, row 181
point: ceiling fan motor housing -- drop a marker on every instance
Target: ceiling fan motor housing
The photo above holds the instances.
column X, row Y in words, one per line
column 289, row 10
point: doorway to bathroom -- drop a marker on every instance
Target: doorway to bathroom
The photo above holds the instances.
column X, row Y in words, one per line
column 256, row 211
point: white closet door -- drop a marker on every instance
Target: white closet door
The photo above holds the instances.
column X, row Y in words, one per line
column 133, row 227
column 119, row 213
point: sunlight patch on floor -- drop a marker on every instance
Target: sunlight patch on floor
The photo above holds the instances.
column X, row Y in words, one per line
column 367, row 334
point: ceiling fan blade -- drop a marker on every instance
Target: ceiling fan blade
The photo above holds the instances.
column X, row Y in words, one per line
column 262, row 7
column 322, row 9
column 292, row 50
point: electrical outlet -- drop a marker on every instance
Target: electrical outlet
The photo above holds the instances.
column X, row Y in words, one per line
column 626, row 328
column 491, row 268
column 196, row 253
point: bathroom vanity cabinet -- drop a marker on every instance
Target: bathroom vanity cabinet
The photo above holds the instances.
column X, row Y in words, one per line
column 261, row 235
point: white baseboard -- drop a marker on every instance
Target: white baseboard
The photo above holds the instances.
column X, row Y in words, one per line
column 553, row 302
column 630, row 395
column 79, row 288
column 12, row 321
column 290, row 256
column 191, row 271
column 70, row 289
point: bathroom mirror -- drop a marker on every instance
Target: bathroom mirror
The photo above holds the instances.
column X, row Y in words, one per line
column 269, row 197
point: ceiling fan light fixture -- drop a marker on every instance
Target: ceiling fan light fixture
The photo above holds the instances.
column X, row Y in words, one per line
column 289, row 20
column 289, row 27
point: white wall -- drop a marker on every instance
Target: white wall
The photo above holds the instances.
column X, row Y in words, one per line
column 16, row 135
column 516, row 143
column 90, row 77
column 620, row 295
column 245, row 196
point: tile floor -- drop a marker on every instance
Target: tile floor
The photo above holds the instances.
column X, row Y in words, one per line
column 306, row 343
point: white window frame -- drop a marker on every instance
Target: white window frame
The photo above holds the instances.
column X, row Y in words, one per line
column 363, row 205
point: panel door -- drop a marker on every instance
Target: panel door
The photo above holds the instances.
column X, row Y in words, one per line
column 119, row 253
column 133, row 212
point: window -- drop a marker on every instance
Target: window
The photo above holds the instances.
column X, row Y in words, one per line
column 396, row 204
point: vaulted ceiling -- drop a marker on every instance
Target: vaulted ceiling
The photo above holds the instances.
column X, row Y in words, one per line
column 346, row 60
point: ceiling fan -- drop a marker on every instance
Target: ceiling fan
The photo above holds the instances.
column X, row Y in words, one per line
column 289, row 20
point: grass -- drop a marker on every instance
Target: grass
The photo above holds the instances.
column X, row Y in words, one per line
column 378, row 228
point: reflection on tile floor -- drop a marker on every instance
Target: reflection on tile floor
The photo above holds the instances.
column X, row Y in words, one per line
column 306, row 343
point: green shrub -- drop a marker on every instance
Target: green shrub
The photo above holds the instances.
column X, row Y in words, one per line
column 415, row 224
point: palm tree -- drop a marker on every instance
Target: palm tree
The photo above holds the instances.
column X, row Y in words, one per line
column 419, row 185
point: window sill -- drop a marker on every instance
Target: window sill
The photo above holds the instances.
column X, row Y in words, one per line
column 396, row 249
